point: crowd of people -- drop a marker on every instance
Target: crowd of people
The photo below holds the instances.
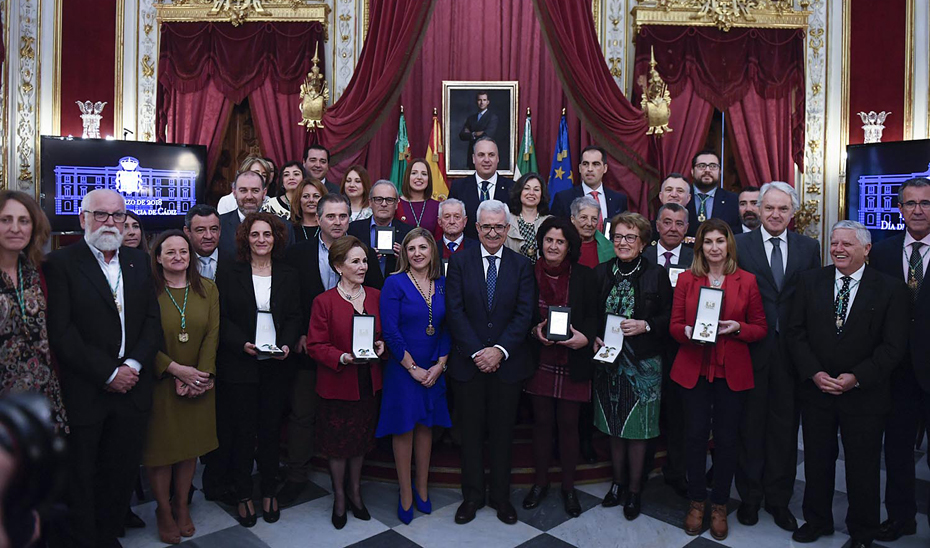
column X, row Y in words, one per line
column 208, row 341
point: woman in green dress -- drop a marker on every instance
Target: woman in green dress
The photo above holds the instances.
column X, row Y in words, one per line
column 183, row 419
column 627, row 392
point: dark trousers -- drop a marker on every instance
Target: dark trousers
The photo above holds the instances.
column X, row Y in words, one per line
column 862, row 446
column 909, row 402
column 673, row 426
column 300, row 425
column 768, row 457
column 486, row 404
column 104, row 460
column 252, row 411
column 705, row 402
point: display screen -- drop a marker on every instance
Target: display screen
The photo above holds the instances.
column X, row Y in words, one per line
column 874, row 173
column 160, row 182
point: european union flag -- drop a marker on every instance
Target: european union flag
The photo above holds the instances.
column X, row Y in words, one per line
column 560, row 175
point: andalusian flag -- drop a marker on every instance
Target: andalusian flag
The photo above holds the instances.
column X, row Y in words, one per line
column 560, row 176
column 437, row 161
column 401, row 153
column 526, row 157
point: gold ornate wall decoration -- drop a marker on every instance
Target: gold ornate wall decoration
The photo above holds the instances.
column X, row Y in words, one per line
column 146, row 70
column 345, row 49
column 612, row 33
column 657, row 101
column 808, row 218
column 313, row 96
column 27, row 109
column 4, row 21
column 241, row 11
column 723, row 14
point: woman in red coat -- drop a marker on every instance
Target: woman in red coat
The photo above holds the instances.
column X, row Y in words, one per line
column 347, row 413
column 714, row 376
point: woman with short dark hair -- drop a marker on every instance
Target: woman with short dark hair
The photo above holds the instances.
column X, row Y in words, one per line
column 529, row 206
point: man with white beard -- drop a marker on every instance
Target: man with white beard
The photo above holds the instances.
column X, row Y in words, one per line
column 104, row 327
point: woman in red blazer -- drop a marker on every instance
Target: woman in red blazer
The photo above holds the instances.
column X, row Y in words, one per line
column 714, row 376
column 347, row 412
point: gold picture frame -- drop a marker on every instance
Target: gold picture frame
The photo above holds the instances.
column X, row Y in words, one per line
column 459, row 104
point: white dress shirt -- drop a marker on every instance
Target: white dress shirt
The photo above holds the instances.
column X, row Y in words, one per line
column 661, row 251
column 783, row 245
column 853, row 286
column 924, row 252
column 497, row 264
column 113, row 273
column 491, row 188
column 458, row 242
column 601, row 198
column 745, row 228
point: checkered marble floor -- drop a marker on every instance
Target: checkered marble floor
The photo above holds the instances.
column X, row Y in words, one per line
column 307, row 522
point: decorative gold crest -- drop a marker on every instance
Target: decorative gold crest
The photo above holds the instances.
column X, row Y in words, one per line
column 313, row 96
column 657, row 101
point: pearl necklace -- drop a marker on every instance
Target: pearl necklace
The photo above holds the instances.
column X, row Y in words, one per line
column 345, row 294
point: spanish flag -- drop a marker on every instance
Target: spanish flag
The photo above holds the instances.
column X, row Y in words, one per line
column 437, row 161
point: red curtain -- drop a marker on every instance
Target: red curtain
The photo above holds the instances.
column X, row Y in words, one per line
column 761, row 130
column 199, row 118
column 276, row 118
column 690, row 121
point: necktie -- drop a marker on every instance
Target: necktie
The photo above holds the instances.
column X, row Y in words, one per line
column 915, row 270
column 207, row 269
column 600, row 214
column 841, row 304
column 778, row 265
column 668, row 259
column 492, row 278
column 485, row 195
column 452, row 246
column 702, row 208
column 480, row 114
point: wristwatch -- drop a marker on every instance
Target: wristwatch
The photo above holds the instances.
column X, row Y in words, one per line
column 648, row 329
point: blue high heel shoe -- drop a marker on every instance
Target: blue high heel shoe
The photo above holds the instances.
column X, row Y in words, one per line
column 425, row 506
column 405, row 516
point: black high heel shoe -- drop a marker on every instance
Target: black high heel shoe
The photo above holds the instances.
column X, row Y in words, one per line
column 339, row 521
column 360, row 513
column 273, row 514
column 250, row 518
column 632, row 507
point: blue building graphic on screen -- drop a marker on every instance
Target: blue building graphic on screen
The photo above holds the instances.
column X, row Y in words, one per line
column 878, row 199
column 147, row 191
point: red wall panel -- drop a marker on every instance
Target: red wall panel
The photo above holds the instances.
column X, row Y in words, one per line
column 877, row 50
column 88, row 58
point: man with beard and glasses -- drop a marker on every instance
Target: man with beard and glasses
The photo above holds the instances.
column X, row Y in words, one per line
column 105, row 328
column 249, row 189
column 749, row 208
column 708, row 199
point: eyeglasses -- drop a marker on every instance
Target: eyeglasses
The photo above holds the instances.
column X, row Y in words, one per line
column 381, row 200
column 712, row 167
column 911, row 204
column 495, row 228
column 102, row 216
column 630, row 238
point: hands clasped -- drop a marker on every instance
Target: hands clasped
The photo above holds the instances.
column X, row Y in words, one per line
column 834, row 386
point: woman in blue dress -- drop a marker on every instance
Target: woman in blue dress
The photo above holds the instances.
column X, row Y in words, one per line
column 413, row 311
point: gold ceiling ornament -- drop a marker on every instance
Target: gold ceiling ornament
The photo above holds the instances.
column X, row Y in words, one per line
column 723, row 14
column 243, row 11
column 313, row 95
column 657, row 101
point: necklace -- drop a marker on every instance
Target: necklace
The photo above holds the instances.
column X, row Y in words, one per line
column 307, row 236
column 912, row 266
column 345, row 294
column 414, row 212
column 630, row 273
column 114, row 289
column 528, row 222
column 20, row 290
column 430, row 330
column 715, row 282
column 183, row 336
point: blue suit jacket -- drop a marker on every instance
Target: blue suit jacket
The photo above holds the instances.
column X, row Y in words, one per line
column 506, row 323
column 562, row 203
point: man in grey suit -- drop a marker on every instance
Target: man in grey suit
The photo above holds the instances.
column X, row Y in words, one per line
column 769, row 429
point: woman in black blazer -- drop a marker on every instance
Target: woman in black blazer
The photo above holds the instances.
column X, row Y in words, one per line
column 627, row 392
column 252, row 385
column 562, row 381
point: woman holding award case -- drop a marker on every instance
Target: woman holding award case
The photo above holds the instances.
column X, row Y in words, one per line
column 343, row 339
column 562, row 382
column 627, row 389
column 413, row 316
column 259, row 324
column 713, row 364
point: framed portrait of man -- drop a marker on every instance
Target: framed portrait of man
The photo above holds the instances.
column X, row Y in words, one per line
column 471, row 110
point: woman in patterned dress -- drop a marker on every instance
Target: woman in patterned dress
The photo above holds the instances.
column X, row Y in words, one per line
column 25, row 358
column 627, row 392
column 416, row 206
column 529, row 204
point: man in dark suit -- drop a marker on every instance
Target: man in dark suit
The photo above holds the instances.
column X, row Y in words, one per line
column 749, row 203
column 592, row 168
column 383, row 199
column 489, row 295
column 311, row 259
column 480, row 124
column 104, row 326
column 316, row 162
column 769, row 431
column 847, row 332
column 668, row 249
column 249, row 189
column 708, row 199
column 905, row 257
column 452, row 221
column 202, row 226
column 485, row 184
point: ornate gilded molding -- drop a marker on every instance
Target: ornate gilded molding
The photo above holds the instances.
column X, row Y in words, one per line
column 614, row 38
column 722, row 14
column 909, row 72
column 25, row 119
column 146, row 69
column 808, row 218
column 4, row 79
column 242, row 11
column 345, row 52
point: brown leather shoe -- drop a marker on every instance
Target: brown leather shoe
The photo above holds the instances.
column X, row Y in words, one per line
column 718, row 521
column 695, row 518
